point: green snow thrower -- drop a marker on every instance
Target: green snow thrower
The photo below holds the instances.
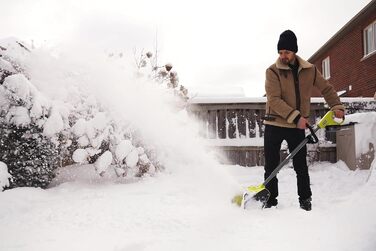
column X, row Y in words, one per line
column 260, row 193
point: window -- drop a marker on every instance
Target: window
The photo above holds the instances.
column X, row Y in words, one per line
column 369, row 37
column 326, row 68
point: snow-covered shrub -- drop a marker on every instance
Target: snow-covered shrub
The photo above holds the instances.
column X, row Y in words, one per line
column 32, row 158
column 94, row 134
column 78, row 128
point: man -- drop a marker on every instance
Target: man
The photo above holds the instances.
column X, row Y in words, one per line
column 288, row 86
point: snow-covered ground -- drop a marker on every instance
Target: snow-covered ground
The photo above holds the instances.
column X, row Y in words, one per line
column 186, row 212
column 187, row 205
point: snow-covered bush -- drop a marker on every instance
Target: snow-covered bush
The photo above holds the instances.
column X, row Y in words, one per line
column 96, row 138
column 60, row 132
column 31, row 157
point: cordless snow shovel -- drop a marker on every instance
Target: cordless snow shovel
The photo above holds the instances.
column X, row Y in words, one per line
column 260, row 193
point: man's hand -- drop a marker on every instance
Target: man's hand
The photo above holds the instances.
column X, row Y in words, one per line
column 339, row 114
column 302, row 123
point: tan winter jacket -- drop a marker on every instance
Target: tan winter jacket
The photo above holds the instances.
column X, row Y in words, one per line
column 283, row 97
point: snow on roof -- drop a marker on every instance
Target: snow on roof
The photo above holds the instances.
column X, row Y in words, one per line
column 226, row 100
column 229, row 100
column 343, row 99
column 357, row 99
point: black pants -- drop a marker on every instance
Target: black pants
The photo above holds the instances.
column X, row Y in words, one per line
column 272, row 144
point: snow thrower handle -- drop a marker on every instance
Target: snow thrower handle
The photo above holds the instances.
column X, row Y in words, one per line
column 312, row 138
column 329, row 120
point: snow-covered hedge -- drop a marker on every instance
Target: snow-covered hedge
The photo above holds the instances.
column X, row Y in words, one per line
column 31, row 157
column 40, row 133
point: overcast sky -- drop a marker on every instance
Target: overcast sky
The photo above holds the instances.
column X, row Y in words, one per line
column 212, row 44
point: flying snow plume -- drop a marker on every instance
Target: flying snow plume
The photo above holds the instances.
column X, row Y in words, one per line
column 143, row 104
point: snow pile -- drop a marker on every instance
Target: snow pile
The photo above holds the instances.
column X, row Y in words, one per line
column 81, row 156
column 372, row 173
column 22, row 100
column 365, row 131
column 103, row 162
column 123, row 149
column 4, row 176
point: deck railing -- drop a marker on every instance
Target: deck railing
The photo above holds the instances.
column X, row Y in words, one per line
column 234, row 126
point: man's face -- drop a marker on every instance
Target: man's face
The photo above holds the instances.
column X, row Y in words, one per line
column 286, row 57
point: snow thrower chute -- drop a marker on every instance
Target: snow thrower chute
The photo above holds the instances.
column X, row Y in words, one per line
column 260, row 193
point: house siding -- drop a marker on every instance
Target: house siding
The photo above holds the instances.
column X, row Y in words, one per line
column 347, row 65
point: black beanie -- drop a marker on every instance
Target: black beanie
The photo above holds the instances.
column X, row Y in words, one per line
column 287, row 41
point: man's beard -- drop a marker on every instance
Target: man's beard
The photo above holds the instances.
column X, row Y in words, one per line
column 285, row 61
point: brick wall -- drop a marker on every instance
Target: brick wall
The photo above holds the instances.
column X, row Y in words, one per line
column 347, row 65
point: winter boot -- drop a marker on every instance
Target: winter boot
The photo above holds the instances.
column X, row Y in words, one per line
column 270, row 203
column 306, row 204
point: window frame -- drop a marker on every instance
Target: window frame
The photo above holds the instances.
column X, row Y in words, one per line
column 369, row 45
column 325, row 67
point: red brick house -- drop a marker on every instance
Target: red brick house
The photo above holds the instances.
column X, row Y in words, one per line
column 348, row 59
